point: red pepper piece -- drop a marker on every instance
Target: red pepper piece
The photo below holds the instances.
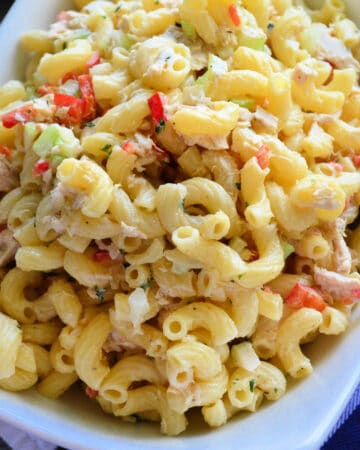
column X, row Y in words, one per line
column 102, row 256
column 18, row 115
column 128, row 147
column 87, row 93
column 75, row 108
column 91, row 393
column 68, row 76
column 263, row 156
column 302, row 296
column 356, row 160
column 4, row 150
column 40, row 167
column 156, row 103
column 234, row 15
column 355, row 293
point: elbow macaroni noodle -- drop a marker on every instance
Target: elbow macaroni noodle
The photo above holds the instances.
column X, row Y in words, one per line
column 176, row 181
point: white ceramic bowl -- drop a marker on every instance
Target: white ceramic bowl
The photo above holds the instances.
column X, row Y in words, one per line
column 302, row 419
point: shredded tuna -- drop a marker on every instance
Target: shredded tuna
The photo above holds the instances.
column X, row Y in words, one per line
column 302, row 72
column 8, row 247
column 113, row 250
column 8, row 177
column 339, row 286
column 120, row 344
column 130, row 231
column 265, row 122
column 207, row 141
column 334, row 51
column 342, row 255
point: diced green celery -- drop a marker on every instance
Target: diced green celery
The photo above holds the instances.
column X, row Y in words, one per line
column 31, row 132
column 188, row 29
column 247, row 103
column 310, row 38
column 288, row 249
column 254, row 42
column 127, row 42
column 62, row 138
column 217, row 65
column 30, row 93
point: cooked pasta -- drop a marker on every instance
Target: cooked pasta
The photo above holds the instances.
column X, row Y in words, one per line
column 176, row 183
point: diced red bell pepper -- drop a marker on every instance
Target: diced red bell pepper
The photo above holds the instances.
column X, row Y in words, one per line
column 102, row 256
column 156, row 103
column 355, row 293
column 87, row 93
column 263, row 156
column 302, row 296
column 4, row 150
column 40, row 167
column 75, row 107
column 128, row 147
column 19, row 115
column 91, row 393
column 93, row 61
column 68, row 76
column 234, row 15
column 356, row 160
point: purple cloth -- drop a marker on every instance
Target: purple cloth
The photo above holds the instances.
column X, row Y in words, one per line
column 346, row 433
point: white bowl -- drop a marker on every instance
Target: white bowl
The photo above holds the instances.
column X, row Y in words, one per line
column 302, row 419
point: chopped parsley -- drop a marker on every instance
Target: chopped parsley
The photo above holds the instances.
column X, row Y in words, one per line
column 117, row 8
column 235, row 380
column 252, row 385
column 122, row 251
column 275, row 390
column 178, row 24
column 100, row 294
column 246, row 204
column 270, row 26
column 147, row 284
column 104, row 17
column 161, row 126
column 64, row 46
column 107, row 149
column 156, row 2
column 238, row 186
column 90, row 124
column 240, row 276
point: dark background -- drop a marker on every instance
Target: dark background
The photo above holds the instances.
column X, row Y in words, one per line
column 346, row 438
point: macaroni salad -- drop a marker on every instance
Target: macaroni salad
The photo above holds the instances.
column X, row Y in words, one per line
column 177, row 182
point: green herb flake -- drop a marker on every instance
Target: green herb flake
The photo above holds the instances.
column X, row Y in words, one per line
column 235, row 380
column 117, row 9
column 275, row 390
column 156, row 2
column 252, row 385
column 122, row 251
column 147, row 284
column 100, row 294
column 161, row 126
column 178, row 24
column 104, row 17
column 240, row 276
column 246, row 204
column 90, row 124
column 288, row 249
column 64, row 46
column 107, row 149
column 270, row 26
column 238, row 186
